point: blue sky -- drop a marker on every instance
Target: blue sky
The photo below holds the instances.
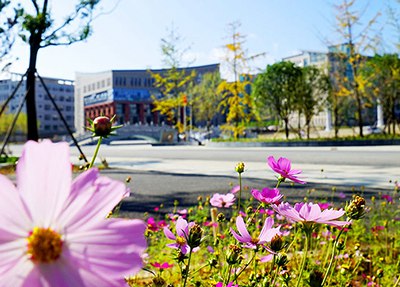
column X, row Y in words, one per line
column 129, row 37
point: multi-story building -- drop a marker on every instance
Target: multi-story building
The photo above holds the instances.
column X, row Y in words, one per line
column 125, row 93
column 49, row 123
column 318, row 59
column 309, row 58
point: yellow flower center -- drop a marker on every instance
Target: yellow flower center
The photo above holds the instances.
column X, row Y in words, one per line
column 255, row 240
column 44, row 245
column 180, row 240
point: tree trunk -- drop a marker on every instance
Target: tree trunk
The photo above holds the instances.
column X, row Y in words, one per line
column 299, row 125
column 359, row 113
column 32, row 133
column 286, row 120
column 336, row 116
column 308, row 128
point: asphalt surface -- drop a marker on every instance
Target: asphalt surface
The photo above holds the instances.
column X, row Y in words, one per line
column 161, row 175
column 150, row 189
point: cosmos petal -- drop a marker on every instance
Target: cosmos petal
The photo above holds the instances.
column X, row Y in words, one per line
column 92, row 198
column 43, row 181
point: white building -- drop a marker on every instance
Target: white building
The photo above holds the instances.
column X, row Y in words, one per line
column 49, row 123
column 320, row 60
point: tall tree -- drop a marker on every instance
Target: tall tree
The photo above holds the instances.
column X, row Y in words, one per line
column 205, row 99
column 174, row 82
column 276, row 89
column 237, row 102
column 37, row 27
column 311, row 94
column 348, row 18
column 382, row 80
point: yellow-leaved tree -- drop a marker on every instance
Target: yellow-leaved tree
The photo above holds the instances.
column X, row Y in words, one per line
column 172, row 82
column 237, row 102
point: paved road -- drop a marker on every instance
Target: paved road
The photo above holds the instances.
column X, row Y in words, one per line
column 165, row 173
column 372, row 166
column 376, row 166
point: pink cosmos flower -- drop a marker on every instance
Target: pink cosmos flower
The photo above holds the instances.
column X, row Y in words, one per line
column 283, row 167
column 153, row 225
column 230, row 284
column 161, row 266
column 54, row 231
column 387, row 197
column 309, row 212
column 266, row 234
column 267, row 258
column 236, row 189
column 324, row 205
column 267, row 195
column 182, row 232
column 222, row 200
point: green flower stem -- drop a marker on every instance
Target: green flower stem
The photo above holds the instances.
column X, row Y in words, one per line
column 332, row 258
column 397, row 282
column 187, row 268
column 205, row 265
column 255, row 212
column 303, row 262
column 280, row 180
column 247, row 265
column 276, row 271
column 273, row 265
column 96, row 151
column 229, row 274
column 240, row 191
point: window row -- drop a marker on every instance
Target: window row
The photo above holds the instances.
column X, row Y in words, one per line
column 97, row 85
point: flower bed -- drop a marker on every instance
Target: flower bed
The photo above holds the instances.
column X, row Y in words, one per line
column 56, row 231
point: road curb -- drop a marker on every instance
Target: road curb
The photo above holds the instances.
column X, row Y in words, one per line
column 305, row 143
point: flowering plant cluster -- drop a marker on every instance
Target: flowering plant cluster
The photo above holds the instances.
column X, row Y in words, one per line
column 57, row 231
column 263, row 240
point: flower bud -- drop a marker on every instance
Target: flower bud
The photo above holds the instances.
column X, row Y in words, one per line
column 102, row 126
column 239, row 167
column 213, row 262
column 195, row 235
column 158, row 281
column 316, row 278
column 249, row 210
column 234, row 255
column 221, row 217
column 356, row 209
column 277, row 243
column 340, row 245
column 282, row 260
column 379, row 273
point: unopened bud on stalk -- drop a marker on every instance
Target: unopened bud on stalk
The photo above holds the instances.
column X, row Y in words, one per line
column 102, row 126
column 158, row 281
column 356, row 209
column 379, row 273
column 340, row 245
column 282, row 260
column 249, row 210
column 195, row 235
column 277, row 243
column 239, row 167
column 221, row 217
column 234, row 255
column 316, row 278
